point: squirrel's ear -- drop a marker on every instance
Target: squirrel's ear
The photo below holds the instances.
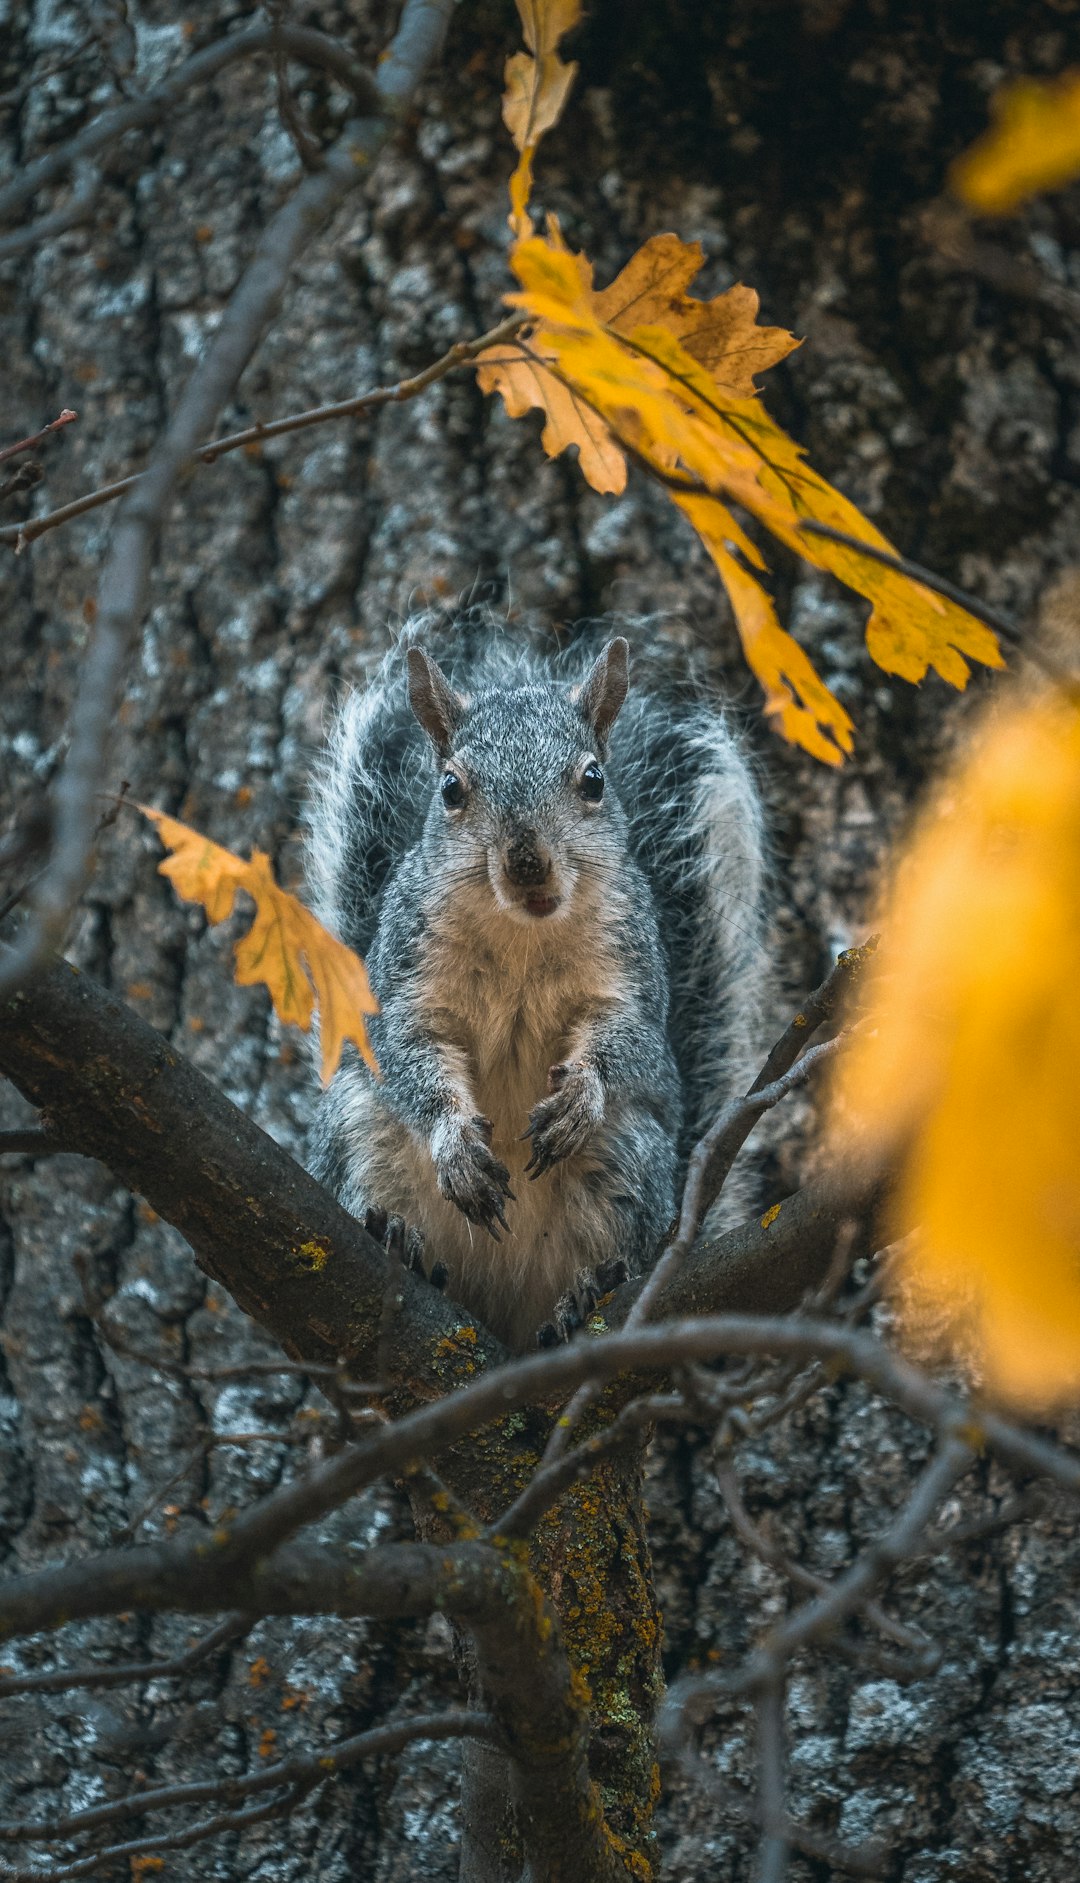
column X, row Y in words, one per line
column 433, row 700
column 606, row 687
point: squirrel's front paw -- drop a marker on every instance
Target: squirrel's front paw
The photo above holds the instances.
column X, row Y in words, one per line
column 469, row 1174
column 561, row 1124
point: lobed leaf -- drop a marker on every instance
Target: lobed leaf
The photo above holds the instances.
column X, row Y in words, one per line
column 286, row 948
column 642, row 367
column 1033, row 144
column 967, row 1063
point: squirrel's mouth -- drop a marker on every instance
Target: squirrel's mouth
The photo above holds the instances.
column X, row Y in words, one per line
column 541, row 905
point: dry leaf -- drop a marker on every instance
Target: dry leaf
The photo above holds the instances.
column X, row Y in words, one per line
column 1033, row 144
column 286, row 947
column 537, row 87
column 967, row 1064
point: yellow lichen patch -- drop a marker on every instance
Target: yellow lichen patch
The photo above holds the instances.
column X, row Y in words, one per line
column 312, row 1256
column 770, row 1216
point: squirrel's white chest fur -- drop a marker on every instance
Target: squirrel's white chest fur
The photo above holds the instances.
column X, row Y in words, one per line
column 505, row 1000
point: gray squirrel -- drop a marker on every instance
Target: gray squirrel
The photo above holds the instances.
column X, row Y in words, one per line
column 556, row 881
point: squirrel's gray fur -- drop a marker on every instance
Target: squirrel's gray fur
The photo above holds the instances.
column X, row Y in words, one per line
column 643, row 982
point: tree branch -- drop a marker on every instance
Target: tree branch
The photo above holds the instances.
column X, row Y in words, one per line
column 460, row 354
column 314, row 48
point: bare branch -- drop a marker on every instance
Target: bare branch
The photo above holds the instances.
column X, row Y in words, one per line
column 460, row 354
column 78, row 209
column 25, row 478
column 336, row 1756
column 65, row 1679
column 302, row 42
column 67, row 417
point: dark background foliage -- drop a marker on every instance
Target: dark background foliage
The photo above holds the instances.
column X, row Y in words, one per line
column 804, row 146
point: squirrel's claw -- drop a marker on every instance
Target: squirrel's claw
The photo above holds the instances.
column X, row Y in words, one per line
column 574, row 1308
column 405, row 1243
column 471, row 1176
column 563, row 1122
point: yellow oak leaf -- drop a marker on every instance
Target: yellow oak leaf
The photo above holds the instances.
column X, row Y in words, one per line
column 537, row 81
column 612, row 382
column 910, row 629
column 286, row 948
column 1033, row 144
column 966, row 1066
column 721, row 336
column 639, row 400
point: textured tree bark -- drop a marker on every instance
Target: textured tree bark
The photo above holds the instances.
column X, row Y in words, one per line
column 804, row 144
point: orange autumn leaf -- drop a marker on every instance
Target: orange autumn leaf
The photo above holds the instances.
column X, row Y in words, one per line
column 910, row 630
column 286, row 948
column 721, row 334
column 796, row 699
column 537, row 86
column 642, row 367
column 966, row 1066
column 1033, row 144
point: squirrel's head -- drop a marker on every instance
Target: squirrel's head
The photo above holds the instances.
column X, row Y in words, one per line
column 521, row 800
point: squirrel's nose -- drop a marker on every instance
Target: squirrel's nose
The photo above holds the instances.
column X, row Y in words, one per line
column 526, row 861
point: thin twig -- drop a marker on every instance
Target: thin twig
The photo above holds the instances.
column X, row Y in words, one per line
column 66, row 1679
column 78, row 209
column 462, row 353
column 67, row 417
column 337, row 1756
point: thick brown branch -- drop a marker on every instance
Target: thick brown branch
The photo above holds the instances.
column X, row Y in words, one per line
column 110, row 1087
column 539, row 1711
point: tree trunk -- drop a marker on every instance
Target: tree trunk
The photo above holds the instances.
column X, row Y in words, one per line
column 804, row 145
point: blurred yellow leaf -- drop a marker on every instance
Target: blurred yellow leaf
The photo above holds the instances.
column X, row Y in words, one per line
column 537, row 86
column 1033, row 144
column 286, row 948
column 967, row 1065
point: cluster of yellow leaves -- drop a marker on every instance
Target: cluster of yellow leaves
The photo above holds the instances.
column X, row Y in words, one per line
column 286, row 947
column 1033, row 144
column 968, row 1062
column 644, row 369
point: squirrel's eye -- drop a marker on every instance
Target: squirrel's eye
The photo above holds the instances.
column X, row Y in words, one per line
column 453, row 791
column 592, row 784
